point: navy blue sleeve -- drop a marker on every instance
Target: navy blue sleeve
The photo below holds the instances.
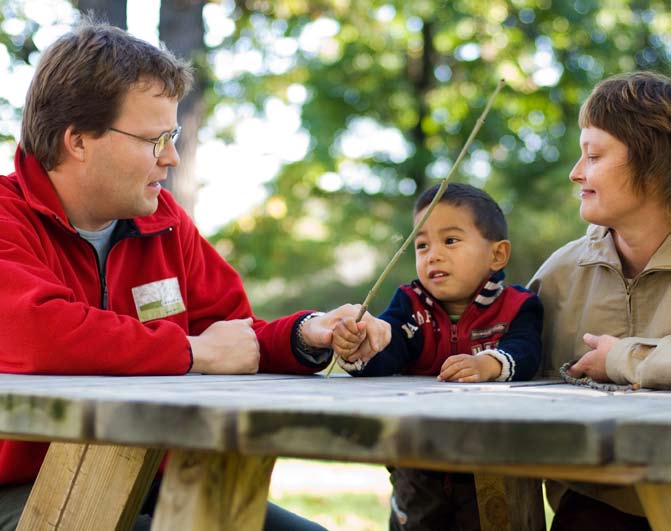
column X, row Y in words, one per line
column 406, row 339
column 522, row 342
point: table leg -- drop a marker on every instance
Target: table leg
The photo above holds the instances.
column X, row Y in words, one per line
column 509, row 503
column 85, row 486
column 207, row 491
column 656, row 500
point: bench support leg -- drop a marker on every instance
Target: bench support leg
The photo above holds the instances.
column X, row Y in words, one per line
column 208, row 491
column 86, row 486
column 510, row 503
column 656, row 500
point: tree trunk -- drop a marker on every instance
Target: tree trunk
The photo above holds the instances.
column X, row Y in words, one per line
column 111, row 11
column 182, row 30
column 420, row 73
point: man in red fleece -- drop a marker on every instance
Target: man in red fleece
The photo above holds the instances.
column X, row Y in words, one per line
column 103, row 272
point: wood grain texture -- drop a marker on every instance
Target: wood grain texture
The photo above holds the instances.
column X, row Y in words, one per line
column 509, row 504
column 394, row 419
column 656, row 500
column 84, row 487
column 608, row 474
column 646, row 439
column 31, row 414
column 205, row 491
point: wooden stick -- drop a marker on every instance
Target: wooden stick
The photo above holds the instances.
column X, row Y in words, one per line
column 443, row 185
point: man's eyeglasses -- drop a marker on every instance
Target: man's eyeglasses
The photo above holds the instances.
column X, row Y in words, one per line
column 160, row 142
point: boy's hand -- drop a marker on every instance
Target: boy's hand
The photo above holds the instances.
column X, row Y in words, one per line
column 348, row 336
column 360, row 341
column 318, row 332
column 469, row 368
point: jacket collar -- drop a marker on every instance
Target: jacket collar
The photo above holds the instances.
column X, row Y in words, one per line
column 488, row 293
column 41, row 196
column 601, row 250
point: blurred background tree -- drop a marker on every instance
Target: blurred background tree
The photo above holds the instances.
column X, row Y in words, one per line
column 381, row 96
column 387, row 99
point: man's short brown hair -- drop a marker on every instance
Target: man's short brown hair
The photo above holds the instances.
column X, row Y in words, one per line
column 635, row 108
column 82, row 79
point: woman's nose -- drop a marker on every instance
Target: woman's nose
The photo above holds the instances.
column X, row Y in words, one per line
column 575, row 174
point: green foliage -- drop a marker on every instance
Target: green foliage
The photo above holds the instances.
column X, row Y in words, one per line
column 392, row 90
column 424, row 69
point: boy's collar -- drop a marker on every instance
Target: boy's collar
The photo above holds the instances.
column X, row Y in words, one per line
column 488, row 293
column 491, row 289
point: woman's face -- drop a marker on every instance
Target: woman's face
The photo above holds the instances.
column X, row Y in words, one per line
column 603, row 172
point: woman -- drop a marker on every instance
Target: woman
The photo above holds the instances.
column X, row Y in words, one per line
column 607, row 296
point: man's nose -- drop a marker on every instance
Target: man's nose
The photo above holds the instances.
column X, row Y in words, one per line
column 169, row 156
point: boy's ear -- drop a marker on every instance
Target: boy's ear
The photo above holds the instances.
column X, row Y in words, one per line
column 500, row 255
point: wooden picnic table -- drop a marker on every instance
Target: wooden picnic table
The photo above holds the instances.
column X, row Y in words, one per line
column 224, row 433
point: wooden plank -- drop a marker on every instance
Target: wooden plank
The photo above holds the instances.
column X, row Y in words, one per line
column 509, row 503
column 607, row 474
column 455, row 438
column 367, row 419
column 207, row 491
column 155, row 424
column 45, row 416
column 656, row 500
column 646, row 439
column 75, row 479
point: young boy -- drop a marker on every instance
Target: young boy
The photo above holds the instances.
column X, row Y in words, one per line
column 459, row 322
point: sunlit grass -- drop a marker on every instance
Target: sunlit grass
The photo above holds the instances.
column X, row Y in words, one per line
column 339, row 496
column 341, row 511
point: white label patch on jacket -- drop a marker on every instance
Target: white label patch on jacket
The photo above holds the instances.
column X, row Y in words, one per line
column 158, row 299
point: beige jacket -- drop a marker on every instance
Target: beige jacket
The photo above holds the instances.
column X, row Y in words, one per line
column 583, row 290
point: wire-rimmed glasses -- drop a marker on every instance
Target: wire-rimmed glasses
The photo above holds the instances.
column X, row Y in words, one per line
column 160, row 142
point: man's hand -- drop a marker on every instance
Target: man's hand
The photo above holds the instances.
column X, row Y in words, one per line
column 469, row 368
column 593, row 363
column 226, row 347
column 371, row 334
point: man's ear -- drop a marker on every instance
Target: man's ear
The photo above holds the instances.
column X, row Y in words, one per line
column 500, row 255
column 73, row 144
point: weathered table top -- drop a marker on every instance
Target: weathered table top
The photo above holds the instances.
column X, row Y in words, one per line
column 367, row 419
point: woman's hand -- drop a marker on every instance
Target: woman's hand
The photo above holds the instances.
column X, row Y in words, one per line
column 593, row 363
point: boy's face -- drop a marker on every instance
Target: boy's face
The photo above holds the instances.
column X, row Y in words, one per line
column 452, row 257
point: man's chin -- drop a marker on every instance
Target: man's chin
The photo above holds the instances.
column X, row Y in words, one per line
column 147, row 209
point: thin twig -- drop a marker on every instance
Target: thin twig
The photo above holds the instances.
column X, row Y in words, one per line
column 443, row 185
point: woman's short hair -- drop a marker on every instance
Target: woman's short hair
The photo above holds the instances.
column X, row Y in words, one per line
column 81, row 81
column 635, row 108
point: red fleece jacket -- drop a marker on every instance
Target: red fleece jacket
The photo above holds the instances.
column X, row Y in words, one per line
column 51, row 321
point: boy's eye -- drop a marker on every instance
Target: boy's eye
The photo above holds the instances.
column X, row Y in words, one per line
column 451, row 241
column 420, row 245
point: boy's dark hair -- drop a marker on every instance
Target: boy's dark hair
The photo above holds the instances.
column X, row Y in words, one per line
column 81, row 80
column 487, row 214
